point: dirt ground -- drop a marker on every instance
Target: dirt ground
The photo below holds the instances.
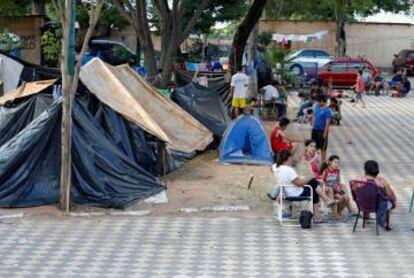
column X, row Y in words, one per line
column 203, row 182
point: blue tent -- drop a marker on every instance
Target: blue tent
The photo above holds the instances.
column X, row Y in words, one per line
column 245, row 141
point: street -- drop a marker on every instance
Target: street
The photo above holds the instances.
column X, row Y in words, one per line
column 232, row 245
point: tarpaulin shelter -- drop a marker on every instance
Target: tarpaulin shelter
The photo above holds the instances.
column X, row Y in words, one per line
column 113, row 160
column 205, row 105
column 129, row 94
column 14, row 71
column 216, row 81
column 245, row 142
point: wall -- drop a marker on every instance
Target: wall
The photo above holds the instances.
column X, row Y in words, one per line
column 376, row 41
column 28, row 29
column 128, row 37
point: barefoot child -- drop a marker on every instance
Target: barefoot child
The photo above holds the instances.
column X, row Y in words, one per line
column 330, row 174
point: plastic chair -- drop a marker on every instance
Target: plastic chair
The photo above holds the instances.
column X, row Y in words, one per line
column 412, row 202
column 366, row 195
column 282, row 198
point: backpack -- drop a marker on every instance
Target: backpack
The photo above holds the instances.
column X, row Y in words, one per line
column 305, row 219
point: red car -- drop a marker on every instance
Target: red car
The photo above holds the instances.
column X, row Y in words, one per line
column 343, row 71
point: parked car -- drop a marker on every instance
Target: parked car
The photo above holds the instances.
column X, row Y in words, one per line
column 343, row 71
column 112, row 52
column 307, row 56
column 404, row 60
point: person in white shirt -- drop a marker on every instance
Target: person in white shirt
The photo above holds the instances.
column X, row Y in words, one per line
column 287, row 176
column 238, row 91
column 270, row 95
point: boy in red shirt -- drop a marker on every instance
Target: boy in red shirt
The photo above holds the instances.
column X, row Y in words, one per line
column 279, row 141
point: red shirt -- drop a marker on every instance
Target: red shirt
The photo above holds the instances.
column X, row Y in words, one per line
column 360, row 85
column 331, row 177
column 278, row 142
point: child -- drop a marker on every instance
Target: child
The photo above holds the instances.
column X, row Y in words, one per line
column 330, row 174
column 359, row 89
column 336, row 111
column 309, row 116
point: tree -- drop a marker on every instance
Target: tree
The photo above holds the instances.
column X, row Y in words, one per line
column 243, row 31
column 342, row 11
column 70, row 79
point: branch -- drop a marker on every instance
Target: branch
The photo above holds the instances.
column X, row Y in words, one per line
column 162, row 7
column 58, row 7
column 121, row 9
column 93, row 20
column 193, row 20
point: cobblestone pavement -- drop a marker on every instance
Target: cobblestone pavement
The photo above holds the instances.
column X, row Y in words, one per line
column 193, row 246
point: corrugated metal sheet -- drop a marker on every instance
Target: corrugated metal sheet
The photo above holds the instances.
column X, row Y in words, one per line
column 129, row 94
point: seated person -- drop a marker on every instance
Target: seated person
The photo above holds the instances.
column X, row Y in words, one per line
column 377, row 84
column 287, row 176
column 313, row 157
column 279, row 141
column 335, row 107
column 395, row 82
column 270, row 96
column 372, row 171
column 307, row 100
column 405, row 87
column 331, row 176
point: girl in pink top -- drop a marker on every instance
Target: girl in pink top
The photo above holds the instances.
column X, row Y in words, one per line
column 359, row 89
column 313, row 157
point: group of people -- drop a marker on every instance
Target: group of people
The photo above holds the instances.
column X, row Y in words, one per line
column 398, row 86
column 274, row 96
column 322, row 174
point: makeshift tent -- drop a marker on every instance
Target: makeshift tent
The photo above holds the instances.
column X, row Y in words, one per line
column 17, row 71
column 10, row 71
column 114, row 163
column 217, row 81
column 205, row 105
column 125, row 91
column 245, row 141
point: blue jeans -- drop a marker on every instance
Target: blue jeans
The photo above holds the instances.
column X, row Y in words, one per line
column 281, row 110
column 303, row 106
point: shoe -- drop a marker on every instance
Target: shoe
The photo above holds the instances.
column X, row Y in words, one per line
column 270, row 196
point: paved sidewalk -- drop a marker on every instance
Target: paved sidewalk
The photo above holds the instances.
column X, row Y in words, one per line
column 194, row 246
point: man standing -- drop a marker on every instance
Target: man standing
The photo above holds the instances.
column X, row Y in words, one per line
column 322, row 118
column 238, row 90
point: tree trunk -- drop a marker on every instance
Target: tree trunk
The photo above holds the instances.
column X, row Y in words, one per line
column 340, row 6
column 340, row 38
column 243, row 32
column 147, row 48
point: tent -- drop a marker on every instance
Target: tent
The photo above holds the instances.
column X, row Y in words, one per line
column 245, row 141
column 10, row 71
column 14, row 71
column 205, row 105
column 217, row 81
column 114, row 161
column 125, row 91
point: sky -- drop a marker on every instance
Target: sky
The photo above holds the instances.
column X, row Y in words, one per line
column 389, row 18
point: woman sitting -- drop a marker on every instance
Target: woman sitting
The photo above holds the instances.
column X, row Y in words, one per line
column 313, row 157
column 372, row 171
column 287, row 176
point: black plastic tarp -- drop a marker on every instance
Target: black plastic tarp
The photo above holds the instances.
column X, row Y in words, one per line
column 102, row 174
column 30, row 155
column 106, row 171
column 32, row 72
column 216, row 82
column 205, row 105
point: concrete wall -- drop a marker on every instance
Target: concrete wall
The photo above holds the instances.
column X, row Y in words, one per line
column 376, row 41
column 28, row 29
column 128, row 37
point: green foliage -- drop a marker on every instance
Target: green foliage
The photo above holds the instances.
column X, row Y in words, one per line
column 109, row 18
column 51, row 47
column 277, row 59
column 8, row 41
column 14, row 7
column 265, row 38
column 326, row 9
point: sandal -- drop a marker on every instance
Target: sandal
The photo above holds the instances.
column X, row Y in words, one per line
column 320, row 221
